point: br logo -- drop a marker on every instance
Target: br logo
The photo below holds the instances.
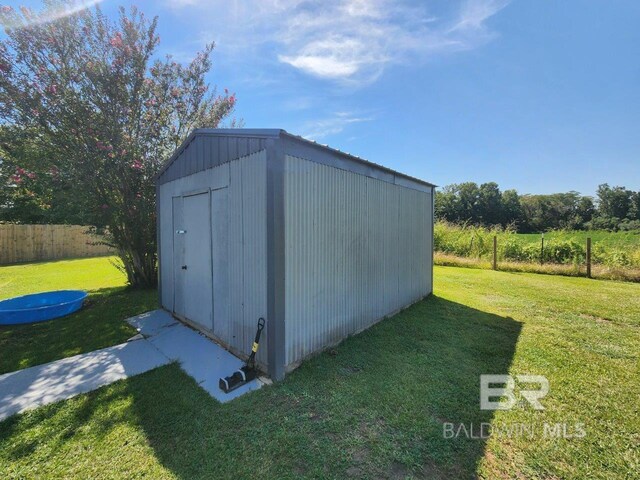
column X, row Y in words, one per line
column 498, row 392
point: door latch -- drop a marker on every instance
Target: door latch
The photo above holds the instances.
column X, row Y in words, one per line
column 184, row 267
column 181, row 232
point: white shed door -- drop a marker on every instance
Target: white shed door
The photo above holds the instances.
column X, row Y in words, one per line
column 194, row 271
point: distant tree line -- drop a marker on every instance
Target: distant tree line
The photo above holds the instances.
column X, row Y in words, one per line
column 614, row 208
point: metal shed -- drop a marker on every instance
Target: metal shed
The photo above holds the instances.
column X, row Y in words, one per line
column 261, row 223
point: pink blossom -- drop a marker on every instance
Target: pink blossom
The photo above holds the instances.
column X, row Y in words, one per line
column 103, row 147
column 6, row 9
column 137, row 165
column 232, row 99
column 31, row 175
column 20, row 171
column 116, row 41
column 52, row 89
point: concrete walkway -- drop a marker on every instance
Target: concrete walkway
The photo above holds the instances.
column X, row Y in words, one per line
column 43, row 384
column 162, row 340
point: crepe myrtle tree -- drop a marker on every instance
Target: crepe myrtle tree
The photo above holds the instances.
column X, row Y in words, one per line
column 109, row 112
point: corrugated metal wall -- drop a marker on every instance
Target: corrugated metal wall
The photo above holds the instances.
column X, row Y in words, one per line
column 356, row 249
column 244, row 181
column 208, row 151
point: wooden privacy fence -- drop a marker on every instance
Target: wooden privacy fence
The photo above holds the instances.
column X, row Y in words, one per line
column 29, row 243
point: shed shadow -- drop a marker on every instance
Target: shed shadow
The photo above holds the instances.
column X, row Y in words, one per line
column 372, row 407
column 375, row 406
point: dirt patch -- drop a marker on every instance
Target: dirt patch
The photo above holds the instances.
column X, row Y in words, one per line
column 360, row 455
column 596, row 319
column 350, row 370
column 354, row 472
column 300, row 470
column 398, row 471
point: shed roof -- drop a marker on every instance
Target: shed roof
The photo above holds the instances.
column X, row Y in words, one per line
column 250, row 140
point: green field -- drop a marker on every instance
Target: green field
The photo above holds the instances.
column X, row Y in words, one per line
column 615, row 255
column 609, row 239
column 376, row 406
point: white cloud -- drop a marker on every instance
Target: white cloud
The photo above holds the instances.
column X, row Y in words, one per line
column 475, row 13
column 318, row 129
column 349, row 41
column 49, row 13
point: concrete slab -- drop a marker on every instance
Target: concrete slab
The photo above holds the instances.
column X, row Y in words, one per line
column 201, row 358
column 151, row 323
column 43, row 384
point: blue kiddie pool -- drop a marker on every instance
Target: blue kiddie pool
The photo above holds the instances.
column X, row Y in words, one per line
column 39, row 307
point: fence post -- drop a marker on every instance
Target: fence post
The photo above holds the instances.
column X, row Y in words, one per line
column 588, row 257
column 495, row 252
column 542, row 250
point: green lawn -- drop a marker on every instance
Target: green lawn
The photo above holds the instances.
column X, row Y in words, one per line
column 375, row 406
column 99, row 324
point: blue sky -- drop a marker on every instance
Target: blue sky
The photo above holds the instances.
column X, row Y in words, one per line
column 541, row 96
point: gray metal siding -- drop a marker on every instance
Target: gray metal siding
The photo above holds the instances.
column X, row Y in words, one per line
column 204, row 151
column 301, row 148
column 243, row 182
column 253, row 171
column 356, row 249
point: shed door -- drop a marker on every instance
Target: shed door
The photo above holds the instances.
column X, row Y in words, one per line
column 193, row 272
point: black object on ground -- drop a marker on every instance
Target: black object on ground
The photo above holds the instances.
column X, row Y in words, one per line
column 248, row 372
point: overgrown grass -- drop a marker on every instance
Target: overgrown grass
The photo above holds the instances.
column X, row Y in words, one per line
column 99, row 324
column 375, row 406
column 614, row 255
column 572, row 270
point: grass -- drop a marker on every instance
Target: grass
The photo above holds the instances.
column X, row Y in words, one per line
column 99, row 324
column 614, row 255
column 611, row 239
column 572, row 270
column 86, row 274
column 375, row 406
